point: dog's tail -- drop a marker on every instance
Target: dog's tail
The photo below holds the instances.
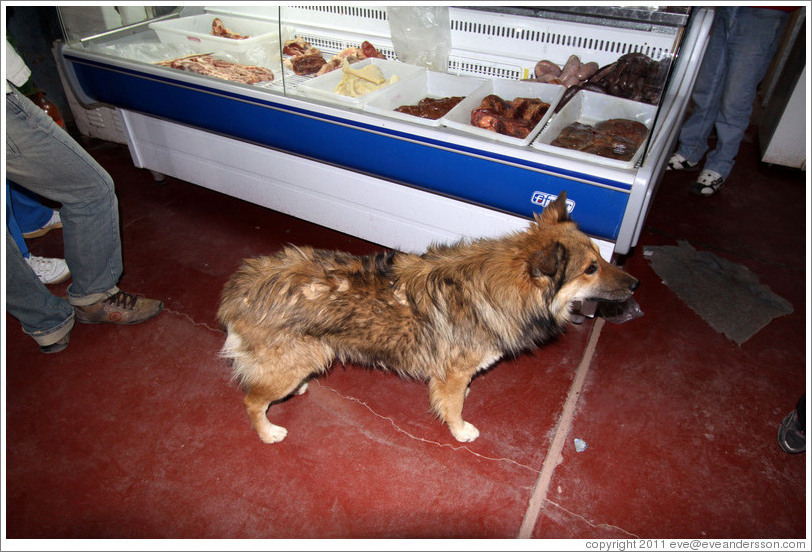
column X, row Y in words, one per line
column 233, row 350
column 231, row 346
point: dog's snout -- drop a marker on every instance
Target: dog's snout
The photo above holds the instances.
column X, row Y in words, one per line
column 634, row 285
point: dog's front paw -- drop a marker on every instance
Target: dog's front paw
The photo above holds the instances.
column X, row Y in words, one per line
column 273, row 434
column 466, row 433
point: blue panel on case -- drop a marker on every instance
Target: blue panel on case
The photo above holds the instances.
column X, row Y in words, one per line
column 473, row 175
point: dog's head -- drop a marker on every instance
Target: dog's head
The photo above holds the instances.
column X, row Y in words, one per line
column 567, row 262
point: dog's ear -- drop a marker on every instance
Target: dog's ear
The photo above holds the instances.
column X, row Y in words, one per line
column 548, row 261
column 556, row 211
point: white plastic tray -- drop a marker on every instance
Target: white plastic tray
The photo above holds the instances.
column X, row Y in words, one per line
column 460, row 117
column 196, row 29
column 589, row 108
column 322, row 87
column 430, row 84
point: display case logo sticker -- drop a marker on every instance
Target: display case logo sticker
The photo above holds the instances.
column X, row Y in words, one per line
column 544, row 199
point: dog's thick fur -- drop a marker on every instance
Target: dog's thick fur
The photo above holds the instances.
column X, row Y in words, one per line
column 441, row 316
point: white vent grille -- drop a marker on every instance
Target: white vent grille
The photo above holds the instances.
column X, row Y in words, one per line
column 531, row 39
column 463, row 66
column 534, row 37
column 378, row 14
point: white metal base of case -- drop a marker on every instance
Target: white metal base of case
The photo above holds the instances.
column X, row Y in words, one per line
column 387, row 213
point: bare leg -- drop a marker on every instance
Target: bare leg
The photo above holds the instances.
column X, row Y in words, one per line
column 260, row 398
column 283, row 373
column 447, row 398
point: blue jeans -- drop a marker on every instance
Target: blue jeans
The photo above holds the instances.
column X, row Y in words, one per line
column 43, row 158
column 742, row 43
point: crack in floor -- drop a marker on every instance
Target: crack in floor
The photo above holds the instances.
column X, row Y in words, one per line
column 427, row 441
column 590, row 523
column 192, row 320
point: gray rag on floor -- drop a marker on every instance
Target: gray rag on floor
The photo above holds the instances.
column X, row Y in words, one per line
column 726, row 295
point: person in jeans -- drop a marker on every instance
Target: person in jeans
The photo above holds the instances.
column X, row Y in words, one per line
column 742, row 43
column 43, row 158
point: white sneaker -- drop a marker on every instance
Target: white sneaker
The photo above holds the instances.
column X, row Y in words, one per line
column 679, row 163
column 708, row 183
column 49, row 271
column 53, row 223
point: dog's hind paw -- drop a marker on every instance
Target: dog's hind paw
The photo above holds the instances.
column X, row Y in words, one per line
column 466, row 434
column 273, row 434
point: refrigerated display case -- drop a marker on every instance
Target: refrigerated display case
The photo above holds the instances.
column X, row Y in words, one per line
column 354, row 164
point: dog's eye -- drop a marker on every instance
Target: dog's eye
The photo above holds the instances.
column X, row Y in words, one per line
column 591, row 269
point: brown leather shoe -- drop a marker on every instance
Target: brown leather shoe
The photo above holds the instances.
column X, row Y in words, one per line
column 121, row 308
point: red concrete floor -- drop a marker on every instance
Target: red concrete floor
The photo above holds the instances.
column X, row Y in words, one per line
column 138, row 432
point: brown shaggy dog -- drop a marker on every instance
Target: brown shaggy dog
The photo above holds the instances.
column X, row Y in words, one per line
column 441, row 316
